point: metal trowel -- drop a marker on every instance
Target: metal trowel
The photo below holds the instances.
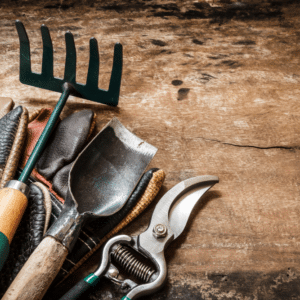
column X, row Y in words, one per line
column 101, row 180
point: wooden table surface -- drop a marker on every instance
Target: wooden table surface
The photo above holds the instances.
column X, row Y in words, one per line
column 216, row 89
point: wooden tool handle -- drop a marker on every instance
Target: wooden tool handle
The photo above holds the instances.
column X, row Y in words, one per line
column 12, row 206
column 39, row 271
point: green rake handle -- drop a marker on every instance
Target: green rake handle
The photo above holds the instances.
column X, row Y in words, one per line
column 40, row 145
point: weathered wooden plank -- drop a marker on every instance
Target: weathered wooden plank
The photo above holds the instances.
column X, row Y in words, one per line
column 216, row 89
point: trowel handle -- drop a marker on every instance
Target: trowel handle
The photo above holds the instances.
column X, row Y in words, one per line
column 38, row 272
column 81, row 287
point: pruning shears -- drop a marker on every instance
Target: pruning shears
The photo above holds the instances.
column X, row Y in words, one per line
column 168, row 221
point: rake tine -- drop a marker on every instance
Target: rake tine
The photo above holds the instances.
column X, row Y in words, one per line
column 116, row 74
column 70, row 67
column 46, row 79
column 47, row 64
column 93, row 71
column 25, row 64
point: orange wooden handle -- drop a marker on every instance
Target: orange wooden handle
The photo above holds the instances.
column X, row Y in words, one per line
column 12, row 207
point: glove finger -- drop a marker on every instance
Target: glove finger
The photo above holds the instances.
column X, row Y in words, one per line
column 34, row 131
column 47, row 204
column 65, row 143
column 60, row 180
column 12, row 136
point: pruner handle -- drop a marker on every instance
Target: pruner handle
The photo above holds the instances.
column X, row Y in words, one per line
column 92, row 279
column 81, row 287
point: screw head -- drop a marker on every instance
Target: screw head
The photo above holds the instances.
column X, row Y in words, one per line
column 160, row 231
column 114, row 273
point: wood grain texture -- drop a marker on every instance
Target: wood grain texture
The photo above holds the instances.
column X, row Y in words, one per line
column 6, row 105
column 216, row 89
column 39, row 271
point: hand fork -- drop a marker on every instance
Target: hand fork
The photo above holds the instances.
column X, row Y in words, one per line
column 13, row 198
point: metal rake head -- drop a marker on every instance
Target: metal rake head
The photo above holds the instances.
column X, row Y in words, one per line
column 46, row 80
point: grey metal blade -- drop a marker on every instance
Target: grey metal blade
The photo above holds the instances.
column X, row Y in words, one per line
column 182, row 208
column 173, row 211
column 109, row 168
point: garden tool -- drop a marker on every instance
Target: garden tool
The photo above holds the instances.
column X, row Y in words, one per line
column 13, row 198
column 108, row 168
column 68, row 139
column 168, row 221
column 99, row 231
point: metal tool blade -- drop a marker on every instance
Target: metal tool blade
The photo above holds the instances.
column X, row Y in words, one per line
column 173, row 211
column 109, row 169
column 182, row 208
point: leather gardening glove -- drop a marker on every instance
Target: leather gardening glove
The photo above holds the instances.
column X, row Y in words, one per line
column 36, row 218
column 65, row 143
column 13, row 124
column 13, row 127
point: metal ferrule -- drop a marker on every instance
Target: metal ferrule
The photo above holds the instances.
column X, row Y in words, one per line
column 67, row 227
column 18, row 185
column 73, row 234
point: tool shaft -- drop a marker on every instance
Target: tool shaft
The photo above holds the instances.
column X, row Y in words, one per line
column 41, row 143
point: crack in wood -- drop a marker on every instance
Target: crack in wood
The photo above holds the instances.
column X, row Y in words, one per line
column 250, row 146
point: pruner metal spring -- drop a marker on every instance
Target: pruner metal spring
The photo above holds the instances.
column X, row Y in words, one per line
column 131, row 264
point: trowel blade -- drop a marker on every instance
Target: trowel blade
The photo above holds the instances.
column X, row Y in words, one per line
column 108, row 170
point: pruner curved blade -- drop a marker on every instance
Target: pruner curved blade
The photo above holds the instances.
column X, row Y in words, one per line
column 172, row 212
column 168, row 221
